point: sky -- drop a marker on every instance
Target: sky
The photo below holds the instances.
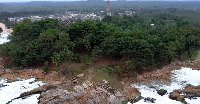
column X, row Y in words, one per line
column 31, row 0
column 80, row 0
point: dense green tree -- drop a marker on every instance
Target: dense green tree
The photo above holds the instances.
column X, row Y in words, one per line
column 133, row 39
column 88, row 34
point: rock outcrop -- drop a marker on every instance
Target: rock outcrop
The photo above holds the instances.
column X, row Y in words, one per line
column 39, row 90
column 149, row 100
column 162, row 92
column 188, row 92
column 191, row 91
column 132, row 94
column 176, row 96
column 87, row 92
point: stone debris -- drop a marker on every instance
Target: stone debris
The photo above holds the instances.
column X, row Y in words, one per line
column 132, row 94
column 188, row 92
column 87, row 92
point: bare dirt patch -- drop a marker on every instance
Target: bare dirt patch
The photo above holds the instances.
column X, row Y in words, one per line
column 5, row 29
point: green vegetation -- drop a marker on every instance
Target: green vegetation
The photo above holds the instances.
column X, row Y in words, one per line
column 7, row 66
column 18, row 68
column 56, row 68
column 74, row 70
column 1, row 30
column 193, row 55
column 136, row 43
column 149, row 9
column 45, row 69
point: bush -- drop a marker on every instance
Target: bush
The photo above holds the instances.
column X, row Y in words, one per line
column 184, row 56
column 7, row 66
column 85, row 58
column 107, row 69
column 193, row 55
column 129, row 64
column 117, row 69
column 45, row 69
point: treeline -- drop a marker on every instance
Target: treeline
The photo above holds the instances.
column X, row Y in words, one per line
column 5, row 15
column 187, row 9
column 137, row 42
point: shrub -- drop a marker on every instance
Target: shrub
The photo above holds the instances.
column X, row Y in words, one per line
column 193, row 55
column 7, row 66
column 85, row 58
column 45, row 69
column 184, row 56
column 129, row 64
column 107, row 69
column 117, row 69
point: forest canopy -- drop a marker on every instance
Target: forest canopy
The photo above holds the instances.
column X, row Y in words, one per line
column 136, row 41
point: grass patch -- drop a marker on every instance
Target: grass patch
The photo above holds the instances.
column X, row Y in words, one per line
column 56, row 68
column 86, row 59
column 104, row 73
column 18, row 68
column 75, row 71
column 193, row 55
column 45, row 68
column 125, row 101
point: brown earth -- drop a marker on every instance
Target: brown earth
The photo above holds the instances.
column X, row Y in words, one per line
column 5, row 29
column 164, row 73
column 28, row 73
column 73, row 88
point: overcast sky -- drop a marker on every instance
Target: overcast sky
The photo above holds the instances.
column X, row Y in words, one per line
column 33, row 0
column 82, row 0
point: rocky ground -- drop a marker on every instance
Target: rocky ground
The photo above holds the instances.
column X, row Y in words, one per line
column 164, row 73
column 65, row 90
column 77, row 89
column 5, row 29
column 83, row 93
column 188, row 92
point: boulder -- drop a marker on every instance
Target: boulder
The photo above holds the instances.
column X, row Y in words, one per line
column 37, row 90
column 174, row 95
column 191, row 91
column 180, row 98
column 132, row 94
column 162, row 92
column 149, row 100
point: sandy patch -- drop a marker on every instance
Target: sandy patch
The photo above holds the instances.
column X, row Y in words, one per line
column 5, row 29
